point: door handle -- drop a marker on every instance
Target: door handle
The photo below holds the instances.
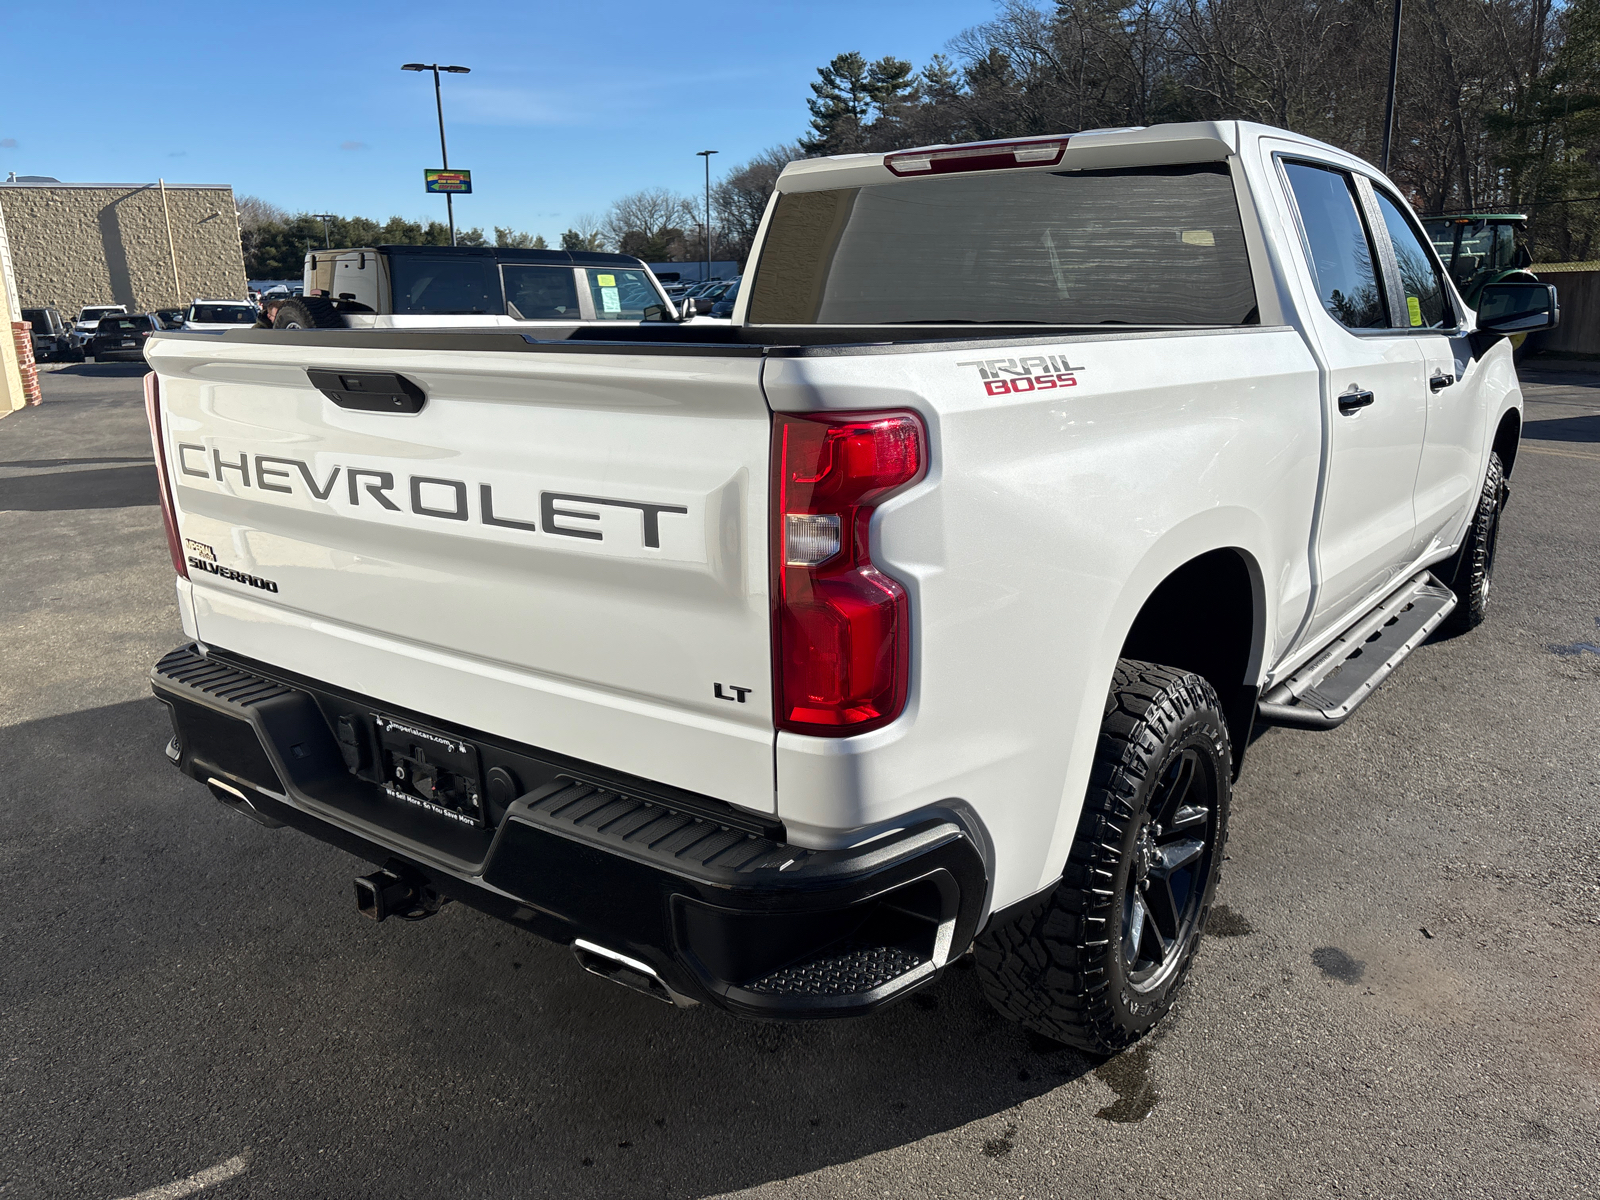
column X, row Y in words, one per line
column 1440, row 381
column 1353, row 399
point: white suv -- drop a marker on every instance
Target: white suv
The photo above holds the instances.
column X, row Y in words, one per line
column 218, row 316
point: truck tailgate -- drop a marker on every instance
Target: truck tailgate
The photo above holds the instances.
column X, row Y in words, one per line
column 567, row 549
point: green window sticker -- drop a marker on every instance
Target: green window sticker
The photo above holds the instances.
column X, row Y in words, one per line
column 1414, row 307
column 612, row 303
column 606, row 280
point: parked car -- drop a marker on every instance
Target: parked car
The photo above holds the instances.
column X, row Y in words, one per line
column 218, row 316
column 89, row 321
column 52, row 336
column 122, row 337
column 706, row 297
column 931, row 608
column 723, row 308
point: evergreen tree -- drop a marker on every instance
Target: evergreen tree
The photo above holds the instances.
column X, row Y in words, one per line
column 840, row 103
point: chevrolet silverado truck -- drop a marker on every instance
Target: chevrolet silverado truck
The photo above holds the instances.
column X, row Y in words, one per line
column 926, row 607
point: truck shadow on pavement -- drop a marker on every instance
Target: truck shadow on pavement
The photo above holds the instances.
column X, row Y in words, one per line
column 1564, row 429
column 105, row 370
column 215, row 977
column 131, row 486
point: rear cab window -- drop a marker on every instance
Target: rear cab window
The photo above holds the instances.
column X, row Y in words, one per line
column 1133, row 246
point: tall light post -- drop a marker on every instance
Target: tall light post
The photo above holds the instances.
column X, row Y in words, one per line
column 324, row 218
column 1394, row 70
column 444, row 153
column 706, row 154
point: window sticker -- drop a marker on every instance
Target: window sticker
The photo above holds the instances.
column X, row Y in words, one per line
column 1414, row 308
column 606, row 280
column 611, row 302
column 1199, row 237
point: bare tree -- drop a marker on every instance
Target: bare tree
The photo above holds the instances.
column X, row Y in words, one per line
column 740, row 199
column 255, row 212
column 647, row 220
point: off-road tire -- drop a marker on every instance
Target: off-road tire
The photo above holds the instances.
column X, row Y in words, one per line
column 1060, row 968
column 1470, row 574
column 308, row 312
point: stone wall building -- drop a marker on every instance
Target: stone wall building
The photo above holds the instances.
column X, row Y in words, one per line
column 108, row 243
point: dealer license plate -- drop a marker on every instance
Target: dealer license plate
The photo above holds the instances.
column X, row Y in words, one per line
column 434, row 771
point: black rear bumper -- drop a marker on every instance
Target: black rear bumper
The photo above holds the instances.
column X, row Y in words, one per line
column 707, row 898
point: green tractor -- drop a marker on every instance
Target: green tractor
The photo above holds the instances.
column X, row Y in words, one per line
column 1480, row 248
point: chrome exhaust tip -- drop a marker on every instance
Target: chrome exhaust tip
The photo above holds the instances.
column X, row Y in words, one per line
column 629, row 972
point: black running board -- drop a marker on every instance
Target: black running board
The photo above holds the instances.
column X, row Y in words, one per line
column 1324, row 692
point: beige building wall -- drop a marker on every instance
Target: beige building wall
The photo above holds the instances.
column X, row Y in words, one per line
column 86, row 243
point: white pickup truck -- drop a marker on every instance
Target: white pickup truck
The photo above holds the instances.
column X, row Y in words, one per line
column 927, row 607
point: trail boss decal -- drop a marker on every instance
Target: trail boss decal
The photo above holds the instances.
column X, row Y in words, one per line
column 1036, row 373
column 428, row 496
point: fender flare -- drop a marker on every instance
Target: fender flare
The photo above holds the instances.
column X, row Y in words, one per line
column 1233, row 529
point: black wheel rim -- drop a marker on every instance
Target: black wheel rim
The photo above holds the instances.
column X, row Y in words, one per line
column 1171, row 862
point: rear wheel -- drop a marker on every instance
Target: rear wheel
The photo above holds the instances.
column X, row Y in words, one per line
column 1471, row 573
column 1098, row 962
column 308, row 312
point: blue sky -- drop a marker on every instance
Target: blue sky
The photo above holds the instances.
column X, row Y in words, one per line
column 568, row 106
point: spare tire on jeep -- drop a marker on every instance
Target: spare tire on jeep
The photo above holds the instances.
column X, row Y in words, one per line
column 308, row 312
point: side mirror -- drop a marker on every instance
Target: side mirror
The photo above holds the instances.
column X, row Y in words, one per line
column 688, row 310
column 1522, row 259
column 1507, row 308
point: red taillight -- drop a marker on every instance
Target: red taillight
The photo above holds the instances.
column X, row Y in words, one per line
column 978, row 156
column 841, row 628
column 169, row 512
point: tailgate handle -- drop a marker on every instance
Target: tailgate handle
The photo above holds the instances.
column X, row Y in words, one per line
column 369, row 391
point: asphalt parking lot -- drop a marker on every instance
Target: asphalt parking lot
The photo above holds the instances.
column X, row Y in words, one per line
column 1400, row 999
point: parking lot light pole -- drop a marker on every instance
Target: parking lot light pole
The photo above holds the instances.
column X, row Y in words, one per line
column 324, row 218
column 1394, row 71
column 706, row 154
column 444, row 153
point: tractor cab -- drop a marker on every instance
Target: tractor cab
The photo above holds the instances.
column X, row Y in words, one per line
column 1480, row 248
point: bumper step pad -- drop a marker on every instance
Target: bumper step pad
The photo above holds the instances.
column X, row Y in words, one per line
column 1324, row 692
column 851, row 972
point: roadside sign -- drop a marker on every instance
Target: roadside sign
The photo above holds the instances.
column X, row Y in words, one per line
column 457, row 182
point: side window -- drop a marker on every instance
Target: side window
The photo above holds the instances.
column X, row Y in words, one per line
column 540, row 293
column 445, row 286
column 1424, row 305
column 1337, row 243
column 624, row 295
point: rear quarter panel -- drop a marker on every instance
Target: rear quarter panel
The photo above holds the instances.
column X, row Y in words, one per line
column 1046, row 520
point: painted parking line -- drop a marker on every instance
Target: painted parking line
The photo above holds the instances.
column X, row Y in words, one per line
column 179, row 1188
column 1560, row 453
